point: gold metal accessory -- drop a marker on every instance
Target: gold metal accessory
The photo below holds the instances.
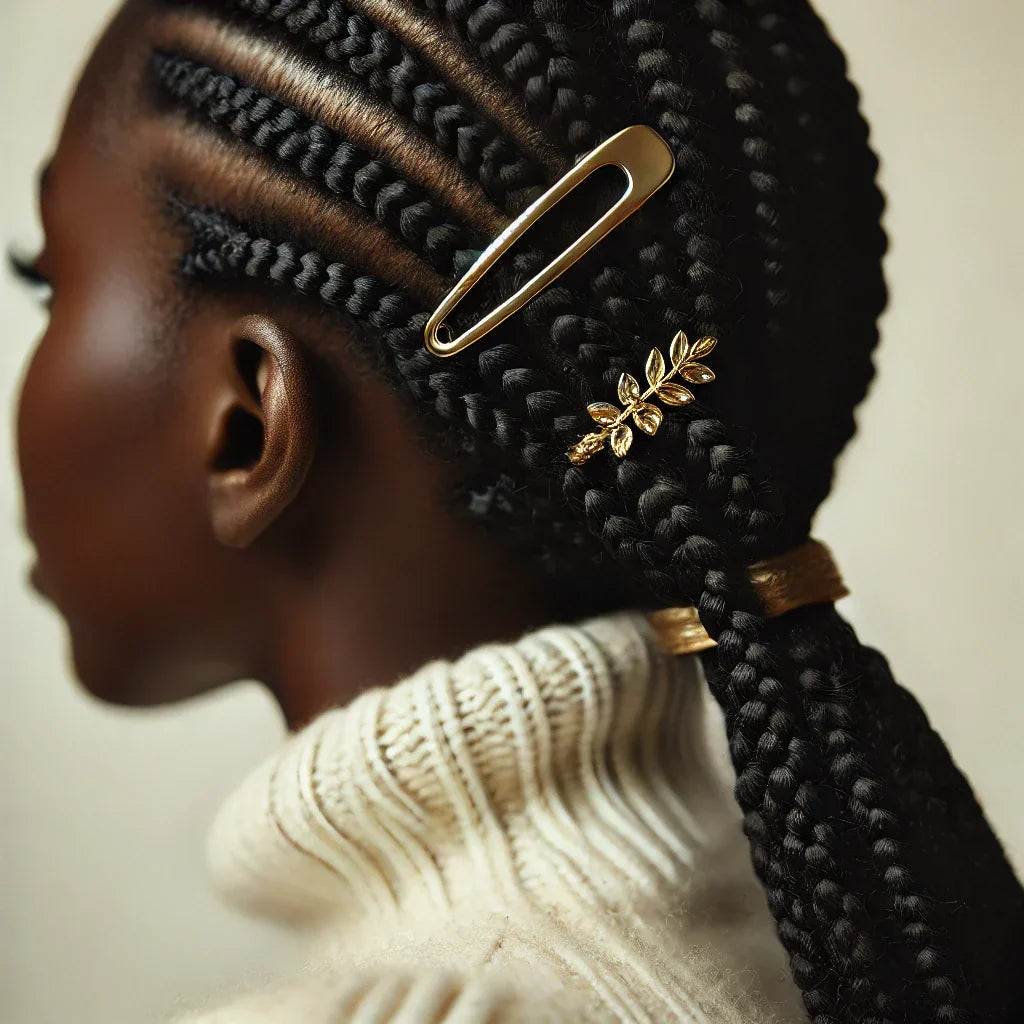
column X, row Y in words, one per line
column 647, row 161
column 683, row 359
column 805, row 575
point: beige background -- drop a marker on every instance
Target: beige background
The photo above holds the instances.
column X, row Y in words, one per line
column 106, row 911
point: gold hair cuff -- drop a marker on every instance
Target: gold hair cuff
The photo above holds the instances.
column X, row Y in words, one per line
column 647, row 161
column 805, row 575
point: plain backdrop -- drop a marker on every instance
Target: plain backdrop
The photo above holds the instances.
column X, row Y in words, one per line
column 106, row 912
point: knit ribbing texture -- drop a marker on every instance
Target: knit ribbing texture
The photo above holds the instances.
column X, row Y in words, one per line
column 541, row 830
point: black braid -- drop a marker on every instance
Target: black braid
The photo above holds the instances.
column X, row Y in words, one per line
column 674, row 108
column 833, row 812
column 321, row 156
column 760, row 152
column 527, row 61
column 845, row 301
column 396, row 75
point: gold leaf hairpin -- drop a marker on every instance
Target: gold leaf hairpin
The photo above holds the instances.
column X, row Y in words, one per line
column 683, row 359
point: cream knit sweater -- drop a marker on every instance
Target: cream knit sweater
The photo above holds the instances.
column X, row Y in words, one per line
column 541, row 831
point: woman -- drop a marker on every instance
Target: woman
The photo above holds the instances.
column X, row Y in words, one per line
column 240, row 459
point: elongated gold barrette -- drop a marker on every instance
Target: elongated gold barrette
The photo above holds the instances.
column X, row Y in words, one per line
column 647, row 161
column 683, row 359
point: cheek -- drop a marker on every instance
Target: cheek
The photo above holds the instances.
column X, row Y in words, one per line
column 111, row 496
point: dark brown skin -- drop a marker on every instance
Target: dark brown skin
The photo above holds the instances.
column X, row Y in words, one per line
column 208, row 500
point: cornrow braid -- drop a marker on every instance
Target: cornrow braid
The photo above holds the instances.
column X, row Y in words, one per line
column 318, row 154
column 862, row 903
column 393, row 73
column 675, row 109
column 528, row 62
column 760, row 151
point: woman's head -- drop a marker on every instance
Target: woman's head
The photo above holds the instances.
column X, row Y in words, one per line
column 254, row 209
column 200, row 465
column 333, row 168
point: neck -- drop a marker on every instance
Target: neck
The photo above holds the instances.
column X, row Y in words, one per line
column 369, row 619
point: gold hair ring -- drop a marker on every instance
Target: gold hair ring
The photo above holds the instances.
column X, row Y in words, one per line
column 684, row 359
column 805, row 575
column 647, row 161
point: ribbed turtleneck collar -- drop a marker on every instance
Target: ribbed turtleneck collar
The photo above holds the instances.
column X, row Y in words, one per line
column 567, row 774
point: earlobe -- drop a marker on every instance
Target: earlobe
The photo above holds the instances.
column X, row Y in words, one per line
column 262, row 437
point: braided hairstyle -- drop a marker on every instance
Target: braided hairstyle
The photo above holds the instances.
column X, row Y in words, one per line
column 889, row 891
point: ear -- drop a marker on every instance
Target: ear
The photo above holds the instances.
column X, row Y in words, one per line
column 262, row 436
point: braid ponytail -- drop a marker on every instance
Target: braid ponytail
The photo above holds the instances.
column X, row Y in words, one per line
column 889, row 891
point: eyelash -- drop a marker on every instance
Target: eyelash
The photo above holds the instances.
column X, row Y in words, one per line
column 28, row 272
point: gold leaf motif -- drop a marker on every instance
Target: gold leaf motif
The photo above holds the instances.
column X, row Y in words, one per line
column 697, row 373
column 677, row 350
column 629, row 390
column 674, row 394
column 648, row 418
column 702, row 347
column 655, row 368
column 615, row 432
column 603, row 413
column 622, row 438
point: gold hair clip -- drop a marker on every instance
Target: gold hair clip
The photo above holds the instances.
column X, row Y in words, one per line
column 647, row 161
column 683, row 359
